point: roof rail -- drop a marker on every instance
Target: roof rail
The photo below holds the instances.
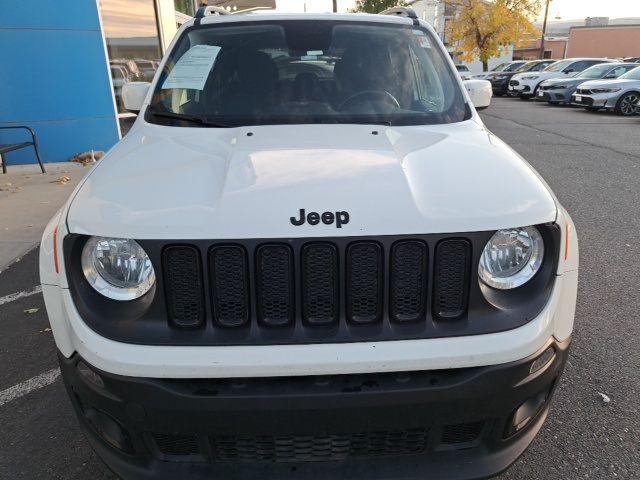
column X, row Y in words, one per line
column 402, row 12
column 206, row 11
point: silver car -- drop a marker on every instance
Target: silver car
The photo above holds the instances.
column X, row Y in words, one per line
column 620, row 95
column 560, row 90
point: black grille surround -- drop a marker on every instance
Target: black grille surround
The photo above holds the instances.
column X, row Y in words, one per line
column 315, row 290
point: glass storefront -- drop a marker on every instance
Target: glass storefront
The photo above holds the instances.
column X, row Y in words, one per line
column 133, row 42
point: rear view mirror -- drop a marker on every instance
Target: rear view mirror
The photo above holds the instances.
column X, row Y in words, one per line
column 133, row 95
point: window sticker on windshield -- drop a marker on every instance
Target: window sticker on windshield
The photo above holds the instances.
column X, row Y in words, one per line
column 192, row 70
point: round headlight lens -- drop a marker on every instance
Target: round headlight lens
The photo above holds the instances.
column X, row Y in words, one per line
column 117, row 268
column 511, row 258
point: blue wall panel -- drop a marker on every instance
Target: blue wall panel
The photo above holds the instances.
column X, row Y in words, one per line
column 54, row 78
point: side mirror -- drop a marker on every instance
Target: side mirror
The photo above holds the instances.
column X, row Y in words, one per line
column 568, row 71
column 610, row 76
column 133, row 95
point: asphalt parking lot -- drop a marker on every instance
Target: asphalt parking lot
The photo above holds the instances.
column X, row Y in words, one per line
column 591, row 161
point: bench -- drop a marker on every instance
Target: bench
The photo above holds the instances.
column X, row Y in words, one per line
column 10, row 147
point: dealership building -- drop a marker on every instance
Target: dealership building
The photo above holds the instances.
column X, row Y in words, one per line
column 64, row 63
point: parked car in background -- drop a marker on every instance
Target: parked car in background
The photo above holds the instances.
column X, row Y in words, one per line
column 464, row 71
column 119, row 76
column 503, row 67
column 500, row 80
column 480, row 92
column 147, row 68
column 560, row 90
column 525, row 85
column 632, row 59
column 130, row 66
column 620, row 95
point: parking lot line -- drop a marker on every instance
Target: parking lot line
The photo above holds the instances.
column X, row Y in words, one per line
column 28, row 386
column 15, row 296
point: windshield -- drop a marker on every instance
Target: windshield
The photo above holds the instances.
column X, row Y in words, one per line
column 632, row 74
column 275, row 72
column 513, row 67
column 500, row 67
column 558, row 66
column 597, row 71
column 526, row 67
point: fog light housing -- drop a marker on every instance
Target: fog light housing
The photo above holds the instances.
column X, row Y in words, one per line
column 109, row 429
column 527, row 412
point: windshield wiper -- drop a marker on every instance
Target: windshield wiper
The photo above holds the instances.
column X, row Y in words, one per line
column 188, row 118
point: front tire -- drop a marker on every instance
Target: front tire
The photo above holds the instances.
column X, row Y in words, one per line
column 626, row 106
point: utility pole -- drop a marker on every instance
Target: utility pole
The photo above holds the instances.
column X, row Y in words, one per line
column 544, row 29
column 335, row 6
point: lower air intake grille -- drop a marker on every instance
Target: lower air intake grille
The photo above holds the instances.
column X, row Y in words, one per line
column 364, row 282
column 408, row 281
column 318, row 447
column 320, row 295
column 461, row 433
column 451, row 278
column 174, row 445
column 183, row 285
column 230, row 283
column 275, row 284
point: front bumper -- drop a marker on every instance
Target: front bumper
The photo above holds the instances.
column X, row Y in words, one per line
column 521, row 89
column 554, row 96
column 500, row 87
column 605, row 101
column 445, row 424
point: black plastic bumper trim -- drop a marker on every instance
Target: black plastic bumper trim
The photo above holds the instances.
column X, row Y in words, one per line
column 208, row 409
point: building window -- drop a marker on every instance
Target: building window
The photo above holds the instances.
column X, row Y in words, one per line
column 133, row 44
column 185, row 6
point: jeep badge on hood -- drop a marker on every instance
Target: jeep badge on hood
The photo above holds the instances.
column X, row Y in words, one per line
column 314, row 218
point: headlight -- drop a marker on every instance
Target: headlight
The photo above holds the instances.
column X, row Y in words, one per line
column 117, row 268
column 531, row 77
column 511, row 258
column 605, row 90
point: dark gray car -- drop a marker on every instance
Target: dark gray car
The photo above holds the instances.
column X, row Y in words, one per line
column 560, row 90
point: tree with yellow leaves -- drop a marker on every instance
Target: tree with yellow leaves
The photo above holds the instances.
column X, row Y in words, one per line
column 482, row 29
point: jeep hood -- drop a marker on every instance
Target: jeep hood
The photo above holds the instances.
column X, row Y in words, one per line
column 189, row 183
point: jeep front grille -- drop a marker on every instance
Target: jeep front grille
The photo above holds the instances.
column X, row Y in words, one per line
column 183, row 281
column 281, row 291
column 347, row 290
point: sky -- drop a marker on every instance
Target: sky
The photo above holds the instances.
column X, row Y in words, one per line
column 567, row 9
column 578, row 9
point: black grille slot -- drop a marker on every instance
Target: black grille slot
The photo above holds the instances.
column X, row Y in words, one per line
column 183, row 285
column 274, row 272
column 451, row 278
column 318, row 447
column 230, row 283
column 175, row 445
column 408, row 280
column 463, row 433
column 320, row 294
column 364, row 282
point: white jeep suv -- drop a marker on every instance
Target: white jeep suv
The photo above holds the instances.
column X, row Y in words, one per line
column 309, row 258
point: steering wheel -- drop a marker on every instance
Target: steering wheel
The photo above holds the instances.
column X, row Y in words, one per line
column 382, row 95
